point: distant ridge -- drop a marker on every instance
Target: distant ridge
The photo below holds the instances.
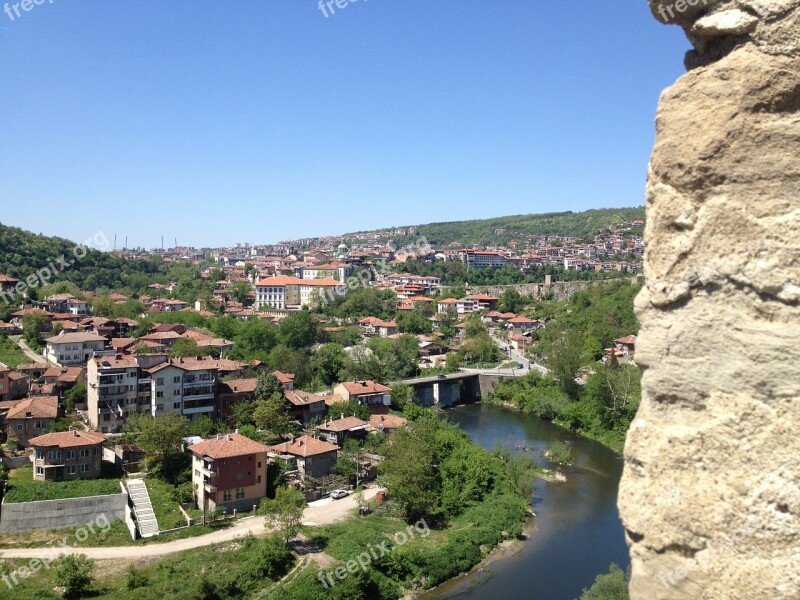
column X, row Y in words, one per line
column 515, row 227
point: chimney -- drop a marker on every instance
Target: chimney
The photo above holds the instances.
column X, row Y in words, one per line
column 217, row 437
column 236, row 431
column 229, row 438
column 74, row 433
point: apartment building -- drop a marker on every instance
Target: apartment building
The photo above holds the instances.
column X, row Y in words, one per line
column 478, row 259
column 115, row 388
column 184, row 386
column 282, row 291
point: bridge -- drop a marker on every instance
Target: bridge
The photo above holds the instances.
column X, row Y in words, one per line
column 457, row 388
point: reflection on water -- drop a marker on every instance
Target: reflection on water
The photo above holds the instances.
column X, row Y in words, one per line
column 578, row 532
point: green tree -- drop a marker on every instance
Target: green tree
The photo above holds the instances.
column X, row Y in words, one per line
column 414, row 322
column 267, row 386
column 284, row 512
column 73, row 573
column 351, row 408
column 559, row 453
column 300, row 330
column 347, row 463
column 204, row 426
column 33, row 324
column 239, row 291
column 161, row 438
column 187, row 347
column 512, row 301
column 564, row 357
column 75, row 395
column 270, row 414
column 328, row 363
column 411, row 468
column 609, row 586
column 401, row 394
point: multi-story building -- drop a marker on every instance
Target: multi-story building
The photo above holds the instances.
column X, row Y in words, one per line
column 184, row 386
column 343, row 428
column 337, row 271
column 73, row 348
column 229, row 472
column 68, row 455
column 283, row 292
column 304, row 406
column 115, row 388
column 481, row 259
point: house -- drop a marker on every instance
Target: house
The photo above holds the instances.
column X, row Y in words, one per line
column 5, row 383
column 68, row 455
column 229, row 472
column 386, row 423
column 61, row 303
column 627, row 345
column 448, row 304
column 485, row 301
column 73, row 348
column 311, row 457
column 304, row 406
column 521, row 324
column 376, row 326
column 231, row 392
column 367, row 393
column 31, row 417
column 7, row 284
column 336, row 432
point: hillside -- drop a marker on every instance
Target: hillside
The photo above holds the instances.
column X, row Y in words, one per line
column 22, row 253
column 518, row 227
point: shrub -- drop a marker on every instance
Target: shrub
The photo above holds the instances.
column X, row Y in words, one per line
column 74, row 574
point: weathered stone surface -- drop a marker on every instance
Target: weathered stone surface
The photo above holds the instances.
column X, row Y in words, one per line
column 710, row 496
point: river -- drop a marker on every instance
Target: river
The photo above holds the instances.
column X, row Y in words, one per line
column 577, row 533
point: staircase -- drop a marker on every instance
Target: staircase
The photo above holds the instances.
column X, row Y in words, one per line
column 142, row 508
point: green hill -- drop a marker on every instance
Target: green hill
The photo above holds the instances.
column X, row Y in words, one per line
column 519, row 227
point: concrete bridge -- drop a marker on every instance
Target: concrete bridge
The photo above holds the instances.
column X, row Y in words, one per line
column 456, row 388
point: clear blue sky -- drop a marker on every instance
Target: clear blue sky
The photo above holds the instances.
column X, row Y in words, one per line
column 223, row 122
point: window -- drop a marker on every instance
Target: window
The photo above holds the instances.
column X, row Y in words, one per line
column 19, row 426
column 95, row 451
column 239, row 476
column 70, row 454
column 84, row 468
column 160, row 381
column 71, row 470
column 176, row 392
column 176, row 379
column 40, row 425
column 259, row 464
column 159, row 407
column 259, row 479
column 176, row 405
column 226, row 496
column 40, row 454
column 84, row 452
column 39, row 470
column 239, row 493
column 159, row 394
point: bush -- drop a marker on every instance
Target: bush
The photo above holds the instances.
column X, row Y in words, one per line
column 74, row 574
column 559, row 454
column 136, row 578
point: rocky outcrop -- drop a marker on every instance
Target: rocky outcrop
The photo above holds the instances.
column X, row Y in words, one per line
column 710, row 497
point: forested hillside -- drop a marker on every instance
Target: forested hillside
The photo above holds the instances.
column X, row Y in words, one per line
column 466, row 233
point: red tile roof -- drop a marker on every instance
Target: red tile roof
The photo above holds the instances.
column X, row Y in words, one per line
column 227, row 446
column 305, row 446
column 280, row 280
column 343, row 424
column 39, row 407
column 69, row 439
column 387, row 421
column 302, row 398
column 356, row 388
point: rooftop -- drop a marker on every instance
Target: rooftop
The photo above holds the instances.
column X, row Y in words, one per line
column 227, row 446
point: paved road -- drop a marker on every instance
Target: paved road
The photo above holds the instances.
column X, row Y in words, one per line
column 321, row 512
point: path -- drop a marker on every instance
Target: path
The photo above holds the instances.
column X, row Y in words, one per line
column 321, row 512
column 37, row 358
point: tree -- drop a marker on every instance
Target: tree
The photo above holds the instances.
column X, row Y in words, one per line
column 285, row 511
column 411, row 468
column 187, row 347
column 559, row 454
column 204, row 426
column 610, row 586
column 162, row 439
column 300, row 330
column 511, row 301
column 401, row 394
column 351, row 408
column 75, row 395
column 240, row 290
column 74, row 574
column 270, row 414
column 347, row 463
column 398, row 358
column 267, row 386
column 565, row 359
column 33, row 324
column 413, row 322
column 328, row 363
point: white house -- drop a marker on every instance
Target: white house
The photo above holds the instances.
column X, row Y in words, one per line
column 73, row 348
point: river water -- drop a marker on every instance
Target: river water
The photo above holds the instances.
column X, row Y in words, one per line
column 577, row 533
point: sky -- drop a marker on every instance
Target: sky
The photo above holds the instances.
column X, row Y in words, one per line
column 224, row 122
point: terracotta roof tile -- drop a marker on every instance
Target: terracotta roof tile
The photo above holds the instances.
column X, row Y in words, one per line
column 227, row 446
column 37, row 407
column 69, row 439
column 305, row 446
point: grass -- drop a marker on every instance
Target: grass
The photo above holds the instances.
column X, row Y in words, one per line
column 22, row 487
column 10, row 354
column 510, row 365
column 238, row 569
column 165, row 501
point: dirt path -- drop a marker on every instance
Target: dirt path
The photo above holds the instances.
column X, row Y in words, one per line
column 321, row 512
column 37, row 358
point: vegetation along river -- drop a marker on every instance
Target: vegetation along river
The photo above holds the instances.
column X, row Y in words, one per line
column 576, row 533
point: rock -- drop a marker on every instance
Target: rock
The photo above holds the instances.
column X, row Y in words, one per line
column 710, row 496
column 727, row 22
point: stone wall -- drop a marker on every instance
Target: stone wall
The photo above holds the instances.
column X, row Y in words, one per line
column 19, row 517
column 710, row 496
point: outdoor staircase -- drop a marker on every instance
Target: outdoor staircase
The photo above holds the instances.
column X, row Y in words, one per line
column 142, row 508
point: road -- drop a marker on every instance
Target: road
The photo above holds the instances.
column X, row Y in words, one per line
column 37, row 358
column 321, row 512
column 527, row 365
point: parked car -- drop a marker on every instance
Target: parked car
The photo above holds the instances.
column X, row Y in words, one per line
column 336, row 494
